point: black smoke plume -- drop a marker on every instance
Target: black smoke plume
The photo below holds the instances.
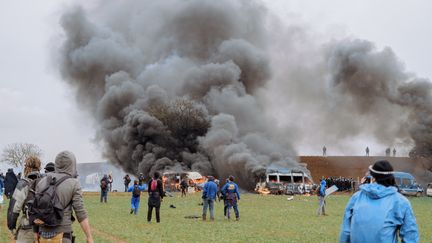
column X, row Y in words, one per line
column 224, row 88
column 172, row 84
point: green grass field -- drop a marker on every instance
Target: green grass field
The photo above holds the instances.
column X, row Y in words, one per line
column 263, row 219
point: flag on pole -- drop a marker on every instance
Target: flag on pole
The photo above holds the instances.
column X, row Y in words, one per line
column 330, row 190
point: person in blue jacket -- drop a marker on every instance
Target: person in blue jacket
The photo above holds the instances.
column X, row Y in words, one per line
column 321, row 197
column 378, row 212
column 209, row 196
column 232, row 195
column 136, row 194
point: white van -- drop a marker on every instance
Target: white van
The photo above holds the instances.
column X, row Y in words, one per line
column 429, row 190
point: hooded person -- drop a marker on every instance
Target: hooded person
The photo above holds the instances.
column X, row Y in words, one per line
column 321, row 197
column 17, row 204
column 10, row 183
column 378, row 212
column 70, row 196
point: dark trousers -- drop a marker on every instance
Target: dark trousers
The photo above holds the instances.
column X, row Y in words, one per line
column 150, row 211
column 104, row 195
column 233, row 205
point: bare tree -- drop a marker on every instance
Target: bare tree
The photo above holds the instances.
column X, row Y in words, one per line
column 184, row 119
column 16, row 153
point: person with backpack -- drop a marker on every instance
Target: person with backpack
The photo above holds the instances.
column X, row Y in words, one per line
column 321, row 197
column 24, row 192
column 104, row 188
column 232, row 196
column 136, row 190
column 156, row 194
column 10, row 183
column 209, row 196
column 57, row 195
column 126, row 181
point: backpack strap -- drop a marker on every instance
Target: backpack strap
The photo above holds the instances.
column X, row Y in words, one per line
column 62, row 179
column 57, row 182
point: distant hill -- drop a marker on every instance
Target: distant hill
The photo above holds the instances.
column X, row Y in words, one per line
column 356, row 166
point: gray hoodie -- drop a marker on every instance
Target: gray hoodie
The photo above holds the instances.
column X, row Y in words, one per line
column 69, row 192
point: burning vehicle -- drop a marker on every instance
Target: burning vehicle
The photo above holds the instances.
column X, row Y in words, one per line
column 171, row 180
column 285, row 181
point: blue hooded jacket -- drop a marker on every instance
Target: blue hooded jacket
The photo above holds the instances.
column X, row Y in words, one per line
column 210, row 189
column 376, row 213
column 230, row 187
column 322, row 188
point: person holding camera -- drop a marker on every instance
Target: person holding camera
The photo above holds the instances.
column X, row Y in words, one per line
column 378, row 212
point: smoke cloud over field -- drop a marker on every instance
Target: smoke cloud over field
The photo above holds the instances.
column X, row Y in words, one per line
column 138, row 67
column 203, row 85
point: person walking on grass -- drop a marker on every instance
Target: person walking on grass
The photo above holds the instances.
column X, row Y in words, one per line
column 232, row 196
column 184, row 186
column 104, row 188
column 321, row 197
column 136, row 190
column 378, row 212
column 156, row 195
column 209, row 196
column 69, row 194
column 17, row 204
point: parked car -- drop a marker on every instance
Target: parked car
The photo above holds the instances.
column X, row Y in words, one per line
column 407, row 184
column 429, row 190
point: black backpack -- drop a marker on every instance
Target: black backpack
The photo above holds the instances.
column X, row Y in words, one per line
column 45, row 208
column 136, row 191
column 103, row 185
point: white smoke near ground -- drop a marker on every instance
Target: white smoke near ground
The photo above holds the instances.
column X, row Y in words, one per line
column 239, row 70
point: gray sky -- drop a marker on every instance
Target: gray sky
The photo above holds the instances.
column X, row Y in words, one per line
column 37, row 107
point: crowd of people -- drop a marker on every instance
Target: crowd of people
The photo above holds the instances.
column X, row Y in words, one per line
column 342, row 183
column 377, row 212
column 42, row 204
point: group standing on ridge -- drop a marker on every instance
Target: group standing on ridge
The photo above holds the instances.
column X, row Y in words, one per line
column 388, row 151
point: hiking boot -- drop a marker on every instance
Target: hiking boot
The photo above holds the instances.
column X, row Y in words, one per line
column 204, row 217
column 131, row 211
